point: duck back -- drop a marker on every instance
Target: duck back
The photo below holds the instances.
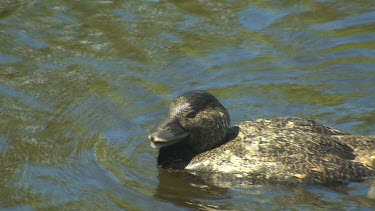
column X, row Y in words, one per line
column 284, row 149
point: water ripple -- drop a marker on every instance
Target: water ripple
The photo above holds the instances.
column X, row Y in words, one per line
column 83, row 83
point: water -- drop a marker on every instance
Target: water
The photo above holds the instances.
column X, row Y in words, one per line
column 82, row 83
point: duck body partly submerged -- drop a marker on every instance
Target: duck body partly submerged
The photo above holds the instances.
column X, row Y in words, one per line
column 196, row 137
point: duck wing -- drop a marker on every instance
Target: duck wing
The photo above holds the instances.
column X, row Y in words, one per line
column 285, row 149
column 364, row 147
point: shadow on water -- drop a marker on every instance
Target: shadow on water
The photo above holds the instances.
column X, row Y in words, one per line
column 186, row 190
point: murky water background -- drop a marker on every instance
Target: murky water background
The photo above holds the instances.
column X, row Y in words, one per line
column 82, row 83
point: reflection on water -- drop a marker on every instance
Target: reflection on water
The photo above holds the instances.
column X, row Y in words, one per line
column 82, row 83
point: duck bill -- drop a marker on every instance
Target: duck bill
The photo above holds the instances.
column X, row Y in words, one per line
column 170, row 132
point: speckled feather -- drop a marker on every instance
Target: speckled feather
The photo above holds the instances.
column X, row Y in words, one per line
column 281, row 149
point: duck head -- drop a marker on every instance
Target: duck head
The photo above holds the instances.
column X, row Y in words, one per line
column 197, row 119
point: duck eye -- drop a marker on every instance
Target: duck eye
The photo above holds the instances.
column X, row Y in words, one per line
column 168, row 129
column 191, row 114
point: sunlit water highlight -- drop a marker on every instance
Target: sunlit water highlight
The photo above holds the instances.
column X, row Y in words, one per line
column 82, row 83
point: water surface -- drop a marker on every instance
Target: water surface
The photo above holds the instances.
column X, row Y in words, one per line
column 82, row 83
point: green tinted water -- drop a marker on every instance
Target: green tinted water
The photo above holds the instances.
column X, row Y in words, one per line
column 83, row 82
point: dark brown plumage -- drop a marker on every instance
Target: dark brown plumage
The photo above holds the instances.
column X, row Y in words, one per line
column 196, row 136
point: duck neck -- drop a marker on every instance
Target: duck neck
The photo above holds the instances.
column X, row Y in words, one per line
column 176, row 156
column 179, row 155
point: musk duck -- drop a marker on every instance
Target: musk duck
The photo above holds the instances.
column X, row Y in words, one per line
column 196, row 137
